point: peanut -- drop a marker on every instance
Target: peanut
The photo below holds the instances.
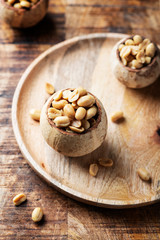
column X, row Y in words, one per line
column 129, row 42
column 81, row 91
column 62, row 121
column 144, row 174
column 69, row 111
column 150, row 50
column 105, row 162
column 59, row 104
column 17, row 5
column 18, row 199
column 57, row 96
column 74, row 96
column 85, row 124
column 117, row 116
column 35, row 114
column 137, row 39
column 76, row 123
column 91, row 112
column 135, row 64
column 140, row 57
column 66, row 94
column 85, row 101
column 37, row 214
column 120, row 47
column 77, row 130
column 49, row 88
column 148, row 60
column 25, row 4
column 80, row 113
column 93, row 169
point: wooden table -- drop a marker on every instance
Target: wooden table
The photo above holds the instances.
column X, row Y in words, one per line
column 64, row 217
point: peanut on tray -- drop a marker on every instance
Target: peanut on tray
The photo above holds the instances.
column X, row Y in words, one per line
column 136, row 52
column 74, row 110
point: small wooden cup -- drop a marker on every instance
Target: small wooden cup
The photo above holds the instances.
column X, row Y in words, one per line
column 71, row 143
column 23, row 18
column 135, row 78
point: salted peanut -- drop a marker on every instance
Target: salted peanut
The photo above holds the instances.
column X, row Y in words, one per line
column 62, row 121
column 18, row 199
column 148, row 60
column 74, row 96
column 129, row 42
column 93, row 169
column 134, row 50
column 49, row 88
column 135, row 64
column 59, row 104
column 120, row 47
column 25, row 4
column 69, row 111
column 140, row 57
column 76, row 123
column 77, row 130
column 85, row 101
column 105, row 162
column 144, row 44
column 85, row 124
column 144, row 174
column 80, row 113
column 91, row 112
column 117, row 116
column 81, row 91
column 66, row 94
column 35, row 114
column 54, row 110
column 150, row 50
column 57, row 96
column 126, row 50
column 54, row 115
column 137, row 39
column 17, row 5
column 37, row 214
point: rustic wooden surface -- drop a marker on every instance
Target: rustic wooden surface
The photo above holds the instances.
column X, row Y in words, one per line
column 64, row 218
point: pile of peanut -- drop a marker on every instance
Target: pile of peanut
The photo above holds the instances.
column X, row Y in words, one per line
column 73, row 110
column 25, row 4
column 137, row 52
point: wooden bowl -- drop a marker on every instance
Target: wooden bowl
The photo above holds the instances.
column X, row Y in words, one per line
column 70, row 143
column 23, row 18
column 135, row 78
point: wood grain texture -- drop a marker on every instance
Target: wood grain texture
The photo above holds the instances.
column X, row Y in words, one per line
column 127, row 143
column 64, row 218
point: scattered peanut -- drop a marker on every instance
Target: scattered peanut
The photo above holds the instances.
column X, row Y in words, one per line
column 49, row 88
column 93, row 169
column 105, row 162
column 137, row 52
column 37, row 214
column 144, row 174
column 71, row 110
column 25, row 4
column 35, row 114
column 18, row 199
column 117, row 116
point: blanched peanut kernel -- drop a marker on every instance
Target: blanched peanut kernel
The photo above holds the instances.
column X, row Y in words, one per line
column 120, row 47
column 37, row 214
column 35, row 114
column 91, row 112
column 77, row 130
column 129, row 42
column 147, row 60
column 66, row 94
column 85, row 124
column 69, row 111
column 144, row 174
column 74, row 96
column 25, row 4
column 150, row 50
column 17, row 5
column 76, row 123
column 85, row 101
column 62, row 121
column 105, row 162
column 57, row 96
column 49, row 88
column 135, row 64
column 137, row 39
column 93, row 169
column 18, row 199
column 80, row 113
column 140, row 58
column 59, row 104
column 117, row 116
column 81, row 91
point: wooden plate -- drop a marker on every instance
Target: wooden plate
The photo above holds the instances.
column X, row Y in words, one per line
column 131, row 144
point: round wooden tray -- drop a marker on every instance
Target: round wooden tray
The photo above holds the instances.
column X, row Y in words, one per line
column 85, row 61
